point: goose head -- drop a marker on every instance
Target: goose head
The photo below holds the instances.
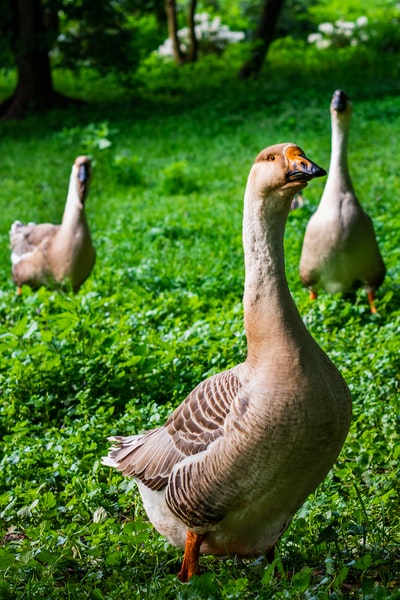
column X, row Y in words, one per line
column 82, row 171
column 341, row 107
column 281, row 170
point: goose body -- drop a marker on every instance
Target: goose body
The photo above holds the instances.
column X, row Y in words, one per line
column 233, row 463
column 55, row 255
column 340, row 252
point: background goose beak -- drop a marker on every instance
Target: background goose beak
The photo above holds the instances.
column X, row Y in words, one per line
column 340, row 101
column 83, row 172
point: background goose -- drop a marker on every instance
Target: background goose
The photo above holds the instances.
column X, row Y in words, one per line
column 340, row 252
column 239, row 456
column 53, row 255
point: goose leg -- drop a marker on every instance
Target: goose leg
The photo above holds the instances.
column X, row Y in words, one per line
column 190, row 563
column 270, row 554
column 371, row 300
column 313, row 295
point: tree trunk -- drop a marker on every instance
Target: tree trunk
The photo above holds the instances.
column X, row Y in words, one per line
column 193, row 44
column 172, row 21
column 263, row 38
column 34, row 89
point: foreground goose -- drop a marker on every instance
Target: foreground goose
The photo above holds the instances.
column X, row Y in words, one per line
column 340, row 252
column 239, row 456
column 53, row 255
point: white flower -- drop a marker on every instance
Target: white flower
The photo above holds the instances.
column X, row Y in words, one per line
column 236, row 36
column 345, row 26
column 326, row 28
column 216, row 23
column 201, row 18
column 166, row 48
column 362, row 21
column 323, row 44
column 314, row 38
column 99, row 515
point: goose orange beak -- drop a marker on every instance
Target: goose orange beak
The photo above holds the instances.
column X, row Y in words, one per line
column 301, row 168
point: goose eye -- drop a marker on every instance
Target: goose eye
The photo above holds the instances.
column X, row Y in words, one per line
column 271, row 157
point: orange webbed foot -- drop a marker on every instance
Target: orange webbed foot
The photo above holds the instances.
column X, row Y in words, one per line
column 190, row 564
column 371, row 301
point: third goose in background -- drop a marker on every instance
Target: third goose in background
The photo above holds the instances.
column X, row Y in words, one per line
column 340, row 252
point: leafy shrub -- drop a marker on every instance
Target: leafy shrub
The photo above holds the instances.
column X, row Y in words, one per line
column 340, row 34
column 379, row 32
column 127, row 168
column 91, row 137
column 177, row 179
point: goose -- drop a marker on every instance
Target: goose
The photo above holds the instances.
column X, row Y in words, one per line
column 233, row 463
column 56, row 255
column 340, row 252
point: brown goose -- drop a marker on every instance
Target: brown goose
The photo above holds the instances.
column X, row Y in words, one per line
column 56, row 255
column 340, row 252
column 239, row 456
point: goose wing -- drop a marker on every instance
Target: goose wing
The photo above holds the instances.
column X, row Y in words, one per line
column 192, row 427
column 26, row 238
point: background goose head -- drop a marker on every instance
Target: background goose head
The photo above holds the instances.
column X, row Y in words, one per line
column 81, row 173
column 341, row 107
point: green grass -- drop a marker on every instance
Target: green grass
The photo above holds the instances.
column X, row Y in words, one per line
column 162, row 310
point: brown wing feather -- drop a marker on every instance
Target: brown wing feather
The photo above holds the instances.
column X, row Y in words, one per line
column 200, row 492
column 200, row 419
column 191, row 428
column 25, row 238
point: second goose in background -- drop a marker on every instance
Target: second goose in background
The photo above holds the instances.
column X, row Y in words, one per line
column 56, row 255
column 340, row 252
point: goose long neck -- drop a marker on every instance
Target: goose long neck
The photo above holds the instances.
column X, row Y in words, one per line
column 339, row 143
column 74, row 211
column 269, row 310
